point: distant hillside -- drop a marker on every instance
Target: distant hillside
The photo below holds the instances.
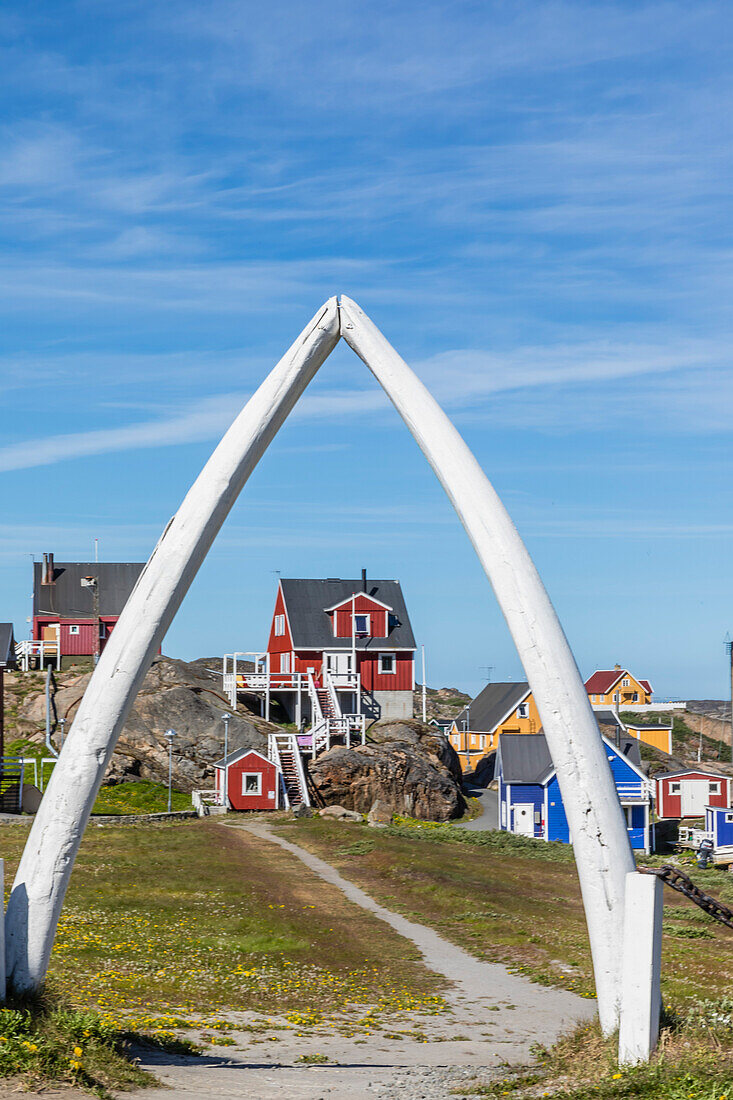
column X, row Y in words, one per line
column 441, row 702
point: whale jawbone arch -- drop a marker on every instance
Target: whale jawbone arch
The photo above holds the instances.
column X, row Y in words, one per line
column 597, row 826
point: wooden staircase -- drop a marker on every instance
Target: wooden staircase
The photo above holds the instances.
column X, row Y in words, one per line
column 282, row 749
column 11, row 786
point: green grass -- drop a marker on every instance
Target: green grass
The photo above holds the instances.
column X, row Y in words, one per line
column 694, row 1061
column 177, row 922
column 52, row 1043
column 513, row 900
column 137, row 796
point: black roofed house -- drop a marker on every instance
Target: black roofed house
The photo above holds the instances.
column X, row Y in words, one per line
column 499, row 708
column 75, row 608
column 336, row 644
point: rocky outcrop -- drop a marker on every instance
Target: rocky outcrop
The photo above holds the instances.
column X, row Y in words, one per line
column 405, row 766
column 175, row 695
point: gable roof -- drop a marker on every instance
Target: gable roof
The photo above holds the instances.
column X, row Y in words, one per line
column 602, row 680
column 492, row 706
column 238, row 754
column 7, row 647
column 691, row 771
column 306, row 601
column 525, row 757
column 67, row 599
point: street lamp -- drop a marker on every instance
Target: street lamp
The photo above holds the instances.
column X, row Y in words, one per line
column 62, row 723
column 225, row 792
column 170, row 734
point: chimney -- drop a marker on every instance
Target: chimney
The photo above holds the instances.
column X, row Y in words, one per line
column 617, row 668
column 48, row 571
column 363, row 580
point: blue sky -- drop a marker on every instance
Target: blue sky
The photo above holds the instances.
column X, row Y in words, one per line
column 532, row 200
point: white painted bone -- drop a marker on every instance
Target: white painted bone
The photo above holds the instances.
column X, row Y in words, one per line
column 45, row 867
column 597, row 827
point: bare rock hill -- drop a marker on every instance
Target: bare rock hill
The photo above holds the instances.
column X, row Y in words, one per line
column 175, row 695
column 407, row 766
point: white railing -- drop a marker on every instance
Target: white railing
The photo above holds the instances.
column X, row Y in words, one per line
column 641, row 789
column 277, row 743
column 201, row 800
column 692, row 837
column 28, row 650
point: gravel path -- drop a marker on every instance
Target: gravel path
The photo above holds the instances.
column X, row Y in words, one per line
column 495, row 1018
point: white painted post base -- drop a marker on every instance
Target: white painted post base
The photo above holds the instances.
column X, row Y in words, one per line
column 641, row 994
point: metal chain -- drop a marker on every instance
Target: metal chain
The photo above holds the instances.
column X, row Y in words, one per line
column 678, row 880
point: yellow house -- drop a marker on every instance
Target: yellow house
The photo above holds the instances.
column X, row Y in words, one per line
column 659, row 737
column 616, row 687
column 499, row 708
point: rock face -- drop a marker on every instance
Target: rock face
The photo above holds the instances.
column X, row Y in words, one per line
column 407, row 767
column 175, row 695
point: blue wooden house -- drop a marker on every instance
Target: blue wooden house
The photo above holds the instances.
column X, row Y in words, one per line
column 530, row 802
column 719, row 826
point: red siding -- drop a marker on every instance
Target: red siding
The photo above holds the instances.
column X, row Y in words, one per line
column 283, row 643
column 251, row 763
column 82, row 644
column 372, row 680
column 305, row 659
column 378, row 621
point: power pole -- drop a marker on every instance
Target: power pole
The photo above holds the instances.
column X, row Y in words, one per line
column 729, row 650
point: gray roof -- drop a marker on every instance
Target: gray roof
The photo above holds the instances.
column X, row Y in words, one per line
column 7, row 647
column 237, row 754
column 525, row 757
column 66, row 597
column 492, row 705
column 306, row 601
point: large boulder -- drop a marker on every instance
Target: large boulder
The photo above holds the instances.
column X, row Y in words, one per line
column 407, row 767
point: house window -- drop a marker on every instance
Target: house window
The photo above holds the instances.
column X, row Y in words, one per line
column 279, row 626
column 74, row 630
column 728, row 819
column 617, row 698
column 361, row 624
column 675, row 788
column 625, row 683
column 482, row 742
column 285, row 662
column 635, row 697
column 523, row 710
column 251, row 783
column 714, row 787
column 594, row 699
column 387, row 664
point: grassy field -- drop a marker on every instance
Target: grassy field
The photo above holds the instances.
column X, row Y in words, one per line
column 516, row 901
column 184, row 921
column 141, row 796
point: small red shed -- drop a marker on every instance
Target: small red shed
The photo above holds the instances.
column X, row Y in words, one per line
column 687, row 793
column 252, row 781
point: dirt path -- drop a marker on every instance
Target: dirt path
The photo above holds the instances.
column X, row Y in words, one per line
column 494, row 1019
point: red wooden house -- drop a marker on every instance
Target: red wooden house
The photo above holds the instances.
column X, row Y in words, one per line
column 76, row 606
column 687, row 793
column 251, row 781
column 348, row 642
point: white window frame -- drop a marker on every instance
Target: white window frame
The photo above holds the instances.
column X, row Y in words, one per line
column 285, row 662
column 251, row 775
column 635, row 697
column 616, row 698
column 362, row 615
column 75, row 630
column 713, row 786
column 625, row 683
column 279, row 626
column 675, row 788
column 387, row 671
column 523, row 710
column 728, row 818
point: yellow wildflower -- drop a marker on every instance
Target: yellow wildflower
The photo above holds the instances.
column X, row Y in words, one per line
column 78, row 1052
